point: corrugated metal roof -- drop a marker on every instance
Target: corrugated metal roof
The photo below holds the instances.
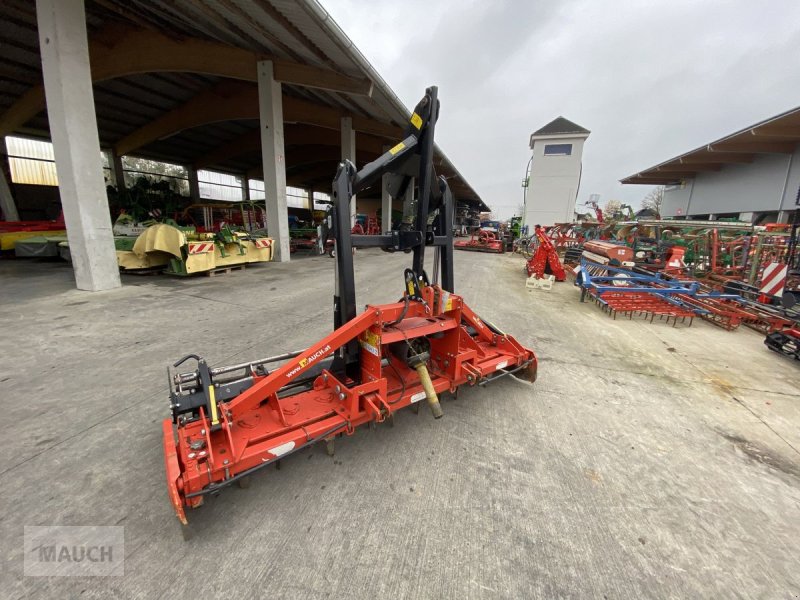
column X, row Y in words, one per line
column 297, row 30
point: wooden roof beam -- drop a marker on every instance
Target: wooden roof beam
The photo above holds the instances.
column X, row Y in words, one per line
column 753, row 147
column 777, row 131
column 239, row 101
column 122, row 51
column 655, row 179
column 718, row 157
column 696, row 167
column 294, row 135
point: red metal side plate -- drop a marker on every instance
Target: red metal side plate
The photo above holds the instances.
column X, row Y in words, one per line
column 173, row 470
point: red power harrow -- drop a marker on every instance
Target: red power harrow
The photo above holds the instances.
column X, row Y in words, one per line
column 229, row 422
column 410, row 351
column 482, row 241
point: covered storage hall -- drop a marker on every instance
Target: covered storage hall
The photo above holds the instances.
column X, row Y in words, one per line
column 238, row 99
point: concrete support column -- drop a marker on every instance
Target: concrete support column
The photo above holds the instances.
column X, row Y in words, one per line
column 349, row 153
column 7, row 200
column 270, row 110
column 76, row 144
column 311, row 201
column 119, row 172
column 194, row 185
column 386, row 202
column 245, row 187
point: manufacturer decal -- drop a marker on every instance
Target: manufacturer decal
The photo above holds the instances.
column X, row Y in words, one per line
column 417, row 397
column 304, row 362
column 282, row 449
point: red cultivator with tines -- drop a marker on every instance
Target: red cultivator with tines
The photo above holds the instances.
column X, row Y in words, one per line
column 229, row 422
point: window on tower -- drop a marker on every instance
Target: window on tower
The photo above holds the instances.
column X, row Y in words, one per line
column 558, row 150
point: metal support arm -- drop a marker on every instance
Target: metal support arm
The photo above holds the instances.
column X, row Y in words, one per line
column 433, row 194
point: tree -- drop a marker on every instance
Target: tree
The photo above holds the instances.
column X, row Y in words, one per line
column 612, row 209
column 654, row 200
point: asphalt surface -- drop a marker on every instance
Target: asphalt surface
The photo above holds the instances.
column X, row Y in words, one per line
column 646, row 462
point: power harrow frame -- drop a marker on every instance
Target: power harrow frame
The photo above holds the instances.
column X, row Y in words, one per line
column 230, row 422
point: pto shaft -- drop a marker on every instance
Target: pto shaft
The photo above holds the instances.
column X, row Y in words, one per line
column 430, row 393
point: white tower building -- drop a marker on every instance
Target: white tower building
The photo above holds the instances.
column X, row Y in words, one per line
column 555, row 173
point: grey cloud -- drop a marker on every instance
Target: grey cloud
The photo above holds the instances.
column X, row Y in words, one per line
column 649, row 79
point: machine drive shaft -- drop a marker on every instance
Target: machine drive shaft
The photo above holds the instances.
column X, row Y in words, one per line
column 430, row 393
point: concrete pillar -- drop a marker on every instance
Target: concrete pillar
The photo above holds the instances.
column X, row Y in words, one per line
column 245, row 188
column 7, row 200
column 784, row 216
column 386, row 201
column 119, row 172
column 194, row 185
column 270, row 110
column 349, row 153
column 311, row 201
column 76, row 144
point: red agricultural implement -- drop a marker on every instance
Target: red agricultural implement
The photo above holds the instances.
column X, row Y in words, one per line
column 482, row 241
column 15, row 226
column 785, row 342
column 545, row 259
column 617, row 254
column 566, row 235
column 230, row 422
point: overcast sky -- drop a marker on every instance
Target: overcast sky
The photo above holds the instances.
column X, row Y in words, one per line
column 650, row 79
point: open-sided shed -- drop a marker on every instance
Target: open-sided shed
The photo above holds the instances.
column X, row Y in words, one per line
column 267, row 89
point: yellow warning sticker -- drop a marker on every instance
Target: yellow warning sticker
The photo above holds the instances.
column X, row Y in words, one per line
column 410, row 287
column 397, row 148
column 416, row 120
column 371, row 342
column 447, row 302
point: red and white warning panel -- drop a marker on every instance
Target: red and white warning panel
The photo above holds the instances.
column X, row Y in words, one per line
column 263, row 243
column 773, row 279
column 200, row 247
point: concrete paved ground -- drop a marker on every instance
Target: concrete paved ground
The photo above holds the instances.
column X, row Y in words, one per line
column 647, row 462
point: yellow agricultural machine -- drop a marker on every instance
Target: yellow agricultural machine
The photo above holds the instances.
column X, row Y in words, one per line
column 183, row 252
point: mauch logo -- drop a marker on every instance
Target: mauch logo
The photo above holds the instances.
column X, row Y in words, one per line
column 74, row 551
column 304, row 362
column 61, row 553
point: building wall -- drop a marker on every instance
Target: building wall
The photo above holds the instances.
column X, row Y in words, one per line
column 554, row 183
column 676, row 199
column 792, row 183
column 768, row 184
